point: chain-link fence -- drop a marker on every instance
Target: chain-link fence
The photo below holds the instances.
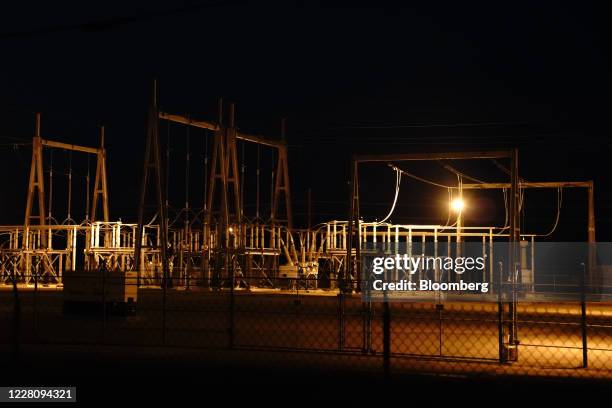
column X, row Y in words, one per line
column 572, row 338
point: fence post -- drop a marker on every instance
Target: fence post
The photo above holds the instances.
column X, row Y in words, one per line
column 16, row 316
column 500, row 315
column 513, row 341
column 367, row 326
column 500, row 328
column 103, row 270
column 340, row 320
column 229, row 264
column 164, row 301
column 583, row 320
column 440, row 309
column 36, row 302
column 386, row 339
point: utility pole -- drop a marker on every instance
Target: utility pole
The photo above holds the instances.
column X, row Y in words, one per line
column 513, row 265
column 152, row 164
column 309, row 209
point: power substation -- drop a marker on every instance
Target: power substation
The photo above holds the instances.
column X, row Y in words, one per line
column 214, row 242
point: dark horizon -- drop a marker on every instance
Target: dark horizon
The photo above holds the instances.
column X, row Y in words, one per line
column 347, row 80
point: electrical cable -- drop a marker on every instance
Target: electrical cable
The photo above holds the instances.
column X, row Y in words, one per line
column 450, row 200
column 458, row 173
column 398, row 180
column 167, row 203
column 87, row 188
column 50, row 205
column 205, row 172
column 433, row 183
column 187, row 163
column 559, row 205
column 257, row 182
column 242, row 169
column 430, row 125
column 69, row 219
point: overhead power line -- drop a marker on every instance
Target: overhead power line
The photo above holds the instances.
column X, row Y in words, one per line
column 505, row 169
column 431, row 125
column 110, row 23
column 414, row 176
column 458, row 173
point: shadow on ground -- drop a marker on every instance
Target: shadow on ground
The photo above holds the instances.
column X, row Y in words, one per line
column 194, row 377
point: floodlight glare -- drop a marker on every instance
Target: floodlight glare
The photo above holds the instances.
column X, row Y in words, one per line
column 457, row 205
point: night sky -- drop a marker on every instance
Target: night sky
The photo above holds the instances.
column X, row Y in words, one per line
column 348, row 80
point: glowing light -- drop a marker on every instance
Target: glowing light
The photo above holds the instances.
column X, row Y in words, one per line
column 231, row 230
column 457, row 205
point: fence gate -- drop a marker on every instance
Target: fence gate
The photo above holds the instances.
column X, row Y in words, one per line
column 445, row 330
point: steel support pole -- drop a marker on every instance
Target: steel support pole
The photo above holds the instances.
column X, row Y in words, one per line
column 358, row 227
column 348, row 265
column 590, row 281
column 16, row 326
column 513, row 265
column 347, row 283
column 583, row 317
column 152, row 162
column 500, row 315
